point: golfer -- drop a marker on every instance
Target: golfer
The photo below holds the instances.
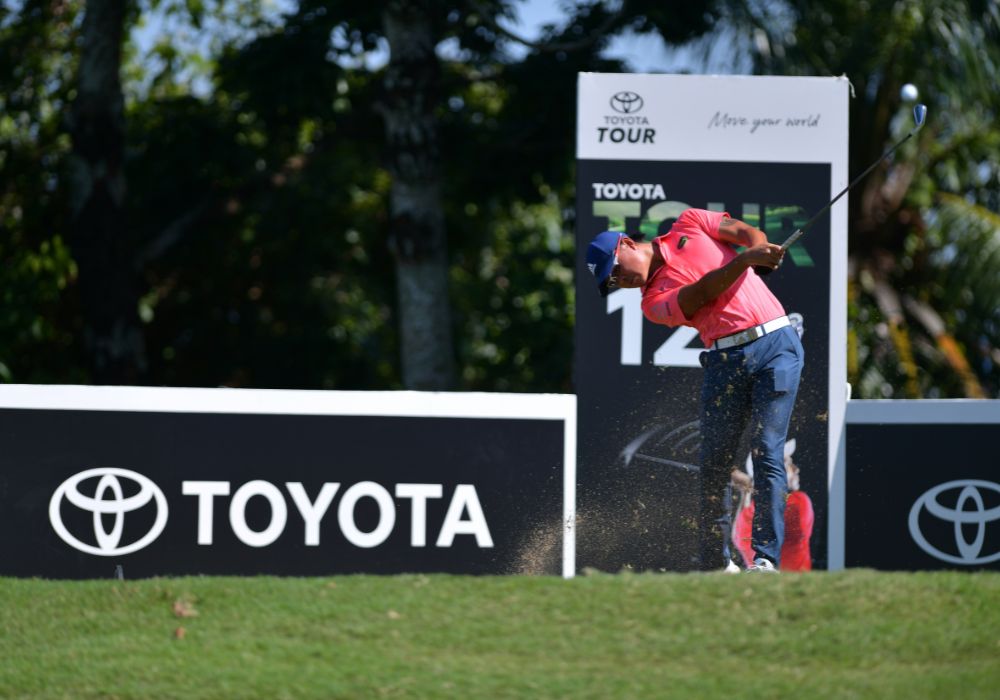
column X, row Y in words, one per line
column 693, row 276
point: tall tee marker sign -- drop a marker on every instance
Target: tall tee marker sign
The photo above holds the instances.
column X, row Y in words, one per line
column 770, row 151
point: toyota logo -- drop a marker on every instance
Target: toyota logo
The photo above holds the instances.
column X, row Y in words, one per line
column 970, row 491
column 626, row 102
column 108, row 543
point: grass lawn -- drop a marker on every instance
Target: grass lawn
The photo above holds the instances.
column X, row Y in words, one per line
column 850, row 634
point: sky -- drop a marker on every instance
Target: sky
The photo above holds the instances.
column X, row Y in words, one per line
column 642, row 53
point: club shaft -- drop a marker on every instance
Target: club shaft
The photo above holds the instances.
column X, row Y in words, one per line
column 798, row 232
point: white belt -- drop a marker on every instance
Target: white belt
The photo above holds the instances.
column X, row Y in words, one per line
column 750, row 334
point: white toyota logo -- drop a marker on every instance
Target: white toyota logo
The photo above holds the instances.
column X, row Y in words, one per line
column 107, row 543
column 968, row 553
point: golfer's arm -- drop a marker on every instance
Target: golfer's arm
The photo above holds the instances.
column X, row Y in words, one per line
column 740, row 233
column 694, row 296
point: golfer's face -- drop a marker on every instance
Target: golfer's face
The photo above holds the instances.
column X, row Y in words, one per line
column 630, row 272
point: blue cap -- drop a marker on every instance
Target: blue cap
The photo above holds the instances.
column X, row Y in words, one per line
column 601, row 257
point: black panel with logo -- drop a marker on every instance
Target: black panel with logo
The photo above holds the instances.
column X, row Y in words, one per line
column 638, row 384
column 82, row 492
column 922, row 496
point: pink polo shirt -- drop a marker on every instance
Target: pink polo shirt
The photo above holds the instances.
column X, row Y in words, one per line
column 691, row 249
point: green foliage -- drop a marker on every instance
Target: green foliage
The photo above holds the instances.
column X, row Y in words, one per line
column 37, row 323
column 258, row 190
column 965, row 240
column 519, row 279
column 266, row 277
column 258, row 195
column 922, row 224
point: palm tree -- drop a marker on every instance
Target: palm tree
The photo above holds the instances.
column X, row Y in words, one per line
column 924, row 230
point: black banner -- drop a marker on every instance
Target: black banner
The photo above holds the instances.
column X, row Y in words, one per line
column 638, row 384
column 173, row 493
column 922, row 496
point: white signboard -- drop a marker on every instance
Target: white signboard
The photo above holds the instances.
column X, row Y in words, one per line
column 771, row 151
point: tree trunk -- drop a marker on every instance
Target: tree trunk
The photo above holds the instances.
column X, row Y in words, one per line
column 417, row 231
column 98, row 239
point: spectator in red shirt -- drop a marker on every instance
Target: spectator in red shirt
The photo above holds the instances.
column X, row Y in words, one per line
column 799, row 517
column 743, row 520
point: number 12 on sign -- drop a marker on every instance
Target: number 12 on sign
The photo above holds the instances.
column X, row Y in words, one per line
column 674, row 352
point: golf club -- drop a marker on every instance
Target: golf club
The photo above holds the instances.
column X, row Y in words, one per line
column 919, row 115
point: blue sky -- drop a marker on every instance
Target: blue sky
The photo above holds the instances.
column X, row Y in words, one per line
column 642, row 54
column 645, row 54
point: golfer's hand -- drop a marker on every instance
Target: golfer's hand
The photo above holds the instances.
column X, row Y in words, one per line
column 764, row 257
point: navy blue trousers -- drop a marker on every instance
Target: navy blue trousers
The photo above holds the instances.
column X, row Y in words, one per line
column 749, row 386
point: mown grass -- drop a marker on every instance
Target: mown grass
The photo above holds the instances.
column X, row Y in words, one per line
column 823, row 635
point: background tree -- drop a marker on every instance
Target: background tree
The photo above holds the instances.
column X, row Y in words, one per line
column 266, row 167
column 409, row 108
column 924, row 246
column 99, row 236
column 269, row 161
column 38, row 326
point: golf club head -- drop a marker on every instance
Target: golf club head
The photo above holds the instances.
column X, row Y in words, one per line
column 919, row 115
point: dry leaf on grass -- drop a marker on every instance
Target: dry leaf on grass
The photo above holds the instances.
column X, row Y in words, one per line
column 184, row 608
